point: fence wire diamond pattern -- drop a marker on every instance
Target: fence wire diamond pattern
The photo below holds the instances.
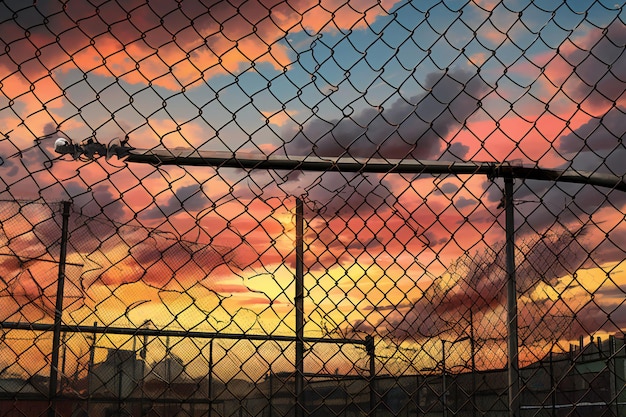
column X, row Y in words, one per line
column 311, row 208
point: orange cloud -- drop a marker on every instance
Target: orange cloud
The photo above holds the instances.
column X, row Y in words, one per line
column 486, row 4
column 279, row 118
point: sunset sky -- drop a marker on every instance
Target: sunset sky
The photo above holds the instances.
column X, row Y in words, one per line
column 403, row 257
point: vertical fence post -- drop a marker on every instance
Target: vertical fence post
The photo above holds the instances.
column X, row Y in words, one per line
column 271, row 393
column 142, row 383
column 620, row 374
column 90, row 365
column 444, row 387
column 299, row 304
column 210, row 379
column 552, row 383
column 63, row 358
column 370, row 348
column 612, row 376
column 473, row 360
column 58, row 313
column 513, row 365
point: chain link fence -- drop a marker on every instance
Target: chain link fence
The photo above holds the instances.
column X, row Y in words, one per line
column 312, row 208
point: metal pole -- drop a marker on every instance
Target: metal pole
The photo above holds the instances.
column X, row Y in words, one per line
column 92, row 355
column 612, row 375
column 552, row 384
column 513, row 365
column 63, row 358
column 58, row 312
column 271, row 393
column 299, row 304
column 142, row 383
column 210, row 379
column 473, row 361
column 444, row 387
column 370, row 348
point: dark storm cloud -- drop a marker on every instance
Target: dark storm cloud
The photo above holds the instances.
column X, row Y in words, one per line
column 413, row 128
column 463, row 202
column 597, row 135
column 456, row 151
column 9, row 168
column 347, row 194
column 17, row 165
column 597, row 145
column 188, row 198
column 447, row 188
column 543, row 205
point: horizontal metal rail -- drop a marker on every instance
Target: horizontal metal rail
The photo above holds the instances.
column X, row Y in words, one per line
column 90, row 149
column 42, row 327
column 188, row 157
column 95, row 399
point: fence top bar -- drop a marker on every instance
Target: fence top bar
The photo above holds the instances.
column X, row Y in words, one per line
column 189, row 157
column 142, row 331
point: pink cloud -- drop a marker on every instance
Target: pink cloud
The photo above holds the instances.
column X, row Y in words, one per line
column 591, row 70
column 194, row 41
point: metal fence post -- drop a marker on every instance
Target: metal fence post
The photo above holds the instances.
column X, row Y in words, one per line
column 271, row 393
column 553, row 384
column 473, row 361
column 299, row 305
column 444, row 387
column 58, row 313
column 370, row 348
column 90, row 367
column 620, row 374
column 513, row 365
column 210, row 379
column 612, row 376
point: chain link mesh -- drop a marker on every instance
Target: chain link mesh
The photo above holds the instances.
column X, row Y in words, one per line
column 147, row 268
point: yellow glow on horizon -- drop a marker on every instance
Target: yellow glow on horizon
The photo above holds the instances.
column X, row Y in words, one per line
column 581, row 284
